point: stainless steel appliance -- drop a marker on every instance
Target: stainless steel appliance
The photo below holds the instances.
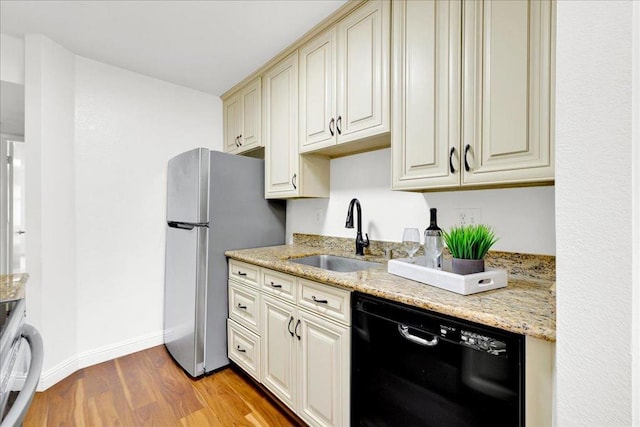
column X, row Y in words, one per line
column 412, row 367
column 13, row 329
column 215, row 202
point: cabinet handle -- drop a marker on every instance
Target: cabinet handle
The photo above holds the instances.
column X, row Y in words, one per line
column 241, row 350
column 451, row 167
column 240, row 273
column 331, row 123
column 289, row 326
column 274, row 285
column 296, row 329
column 242, row 307
column 237, row 142
column 240, row 139
column 321, row 301
column 466, row 164
column 293, row 181
column 338, row 123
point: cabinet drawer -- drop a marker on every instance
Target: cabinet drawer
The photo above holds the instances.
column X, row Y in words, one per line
column 243, row 347
column 244, row 305
column 279, row 285
column 326, row 300
column 243, row 272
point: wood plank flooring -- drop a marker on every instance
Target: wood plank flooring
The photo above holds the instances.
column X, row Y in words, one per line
column 148, row 388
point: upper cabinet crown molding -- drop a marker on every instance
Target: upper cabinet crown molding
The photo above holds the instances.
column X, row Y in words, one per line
column 503, row 72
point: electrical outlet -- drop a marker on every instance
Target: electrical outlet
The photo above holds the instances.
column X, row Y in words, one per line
column 469, row 216
column 317, row 216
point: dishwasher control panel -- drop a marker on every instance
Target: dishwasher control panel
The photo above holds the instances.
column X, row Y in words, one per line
column 483, row 343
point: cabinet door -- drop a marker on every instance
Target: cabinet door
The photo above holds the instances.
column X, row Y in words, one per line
column 363, row 72
column 425, row 135
column 232, row 124
column 250, row 136
column 280, row 128
column 317, row 92
column 279, row 346
column 507, row 91
column 324, row 372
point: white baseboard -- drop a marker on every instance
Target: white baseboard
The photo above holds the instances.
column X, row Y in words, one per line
column 92, row 357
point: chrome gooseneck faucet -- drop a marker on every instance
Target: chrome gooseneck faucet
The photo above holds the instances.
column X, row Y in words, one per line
column 360, row 242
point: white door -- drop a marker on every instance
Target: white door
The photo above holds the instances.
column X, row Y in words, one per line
column 280, row 128
column 18, row 255
column 363, row 72
column 318, row 92
column 279, row 346
column 507, row 91
column 324, row 371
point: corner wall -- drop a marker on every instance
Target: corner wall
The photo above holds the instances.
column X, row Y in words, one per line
column 594, row 213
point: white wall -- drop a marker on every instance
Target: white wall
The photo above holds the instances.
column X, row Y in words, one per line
column 50, row 198
column 636, row 216
column 11, row 59
column 98, row 141
column 127, row 127
column 522, row 217
column 593, row 213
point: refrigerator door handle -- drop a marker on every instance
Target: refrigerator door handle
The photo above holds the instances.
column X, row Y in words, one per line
column 180, row 225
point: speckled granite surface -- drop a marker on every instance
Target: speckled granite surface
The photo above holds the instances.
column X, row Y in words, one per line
column 12, row 286
column 525, row 306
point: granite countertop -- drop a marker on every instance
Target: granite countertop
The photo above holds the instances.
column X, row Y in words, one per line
column 526, row 306
column 12, row 286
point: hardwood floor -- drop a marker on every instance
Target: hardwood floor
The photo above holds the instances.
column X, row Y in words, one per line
column 148, row 388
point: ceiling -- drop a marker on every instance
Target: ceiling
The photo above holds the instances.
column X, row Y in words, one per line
column 205, row 45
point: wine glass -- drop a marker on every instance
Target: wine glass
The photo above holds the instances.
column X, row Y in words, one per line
column 411, row 241
column 433, row 246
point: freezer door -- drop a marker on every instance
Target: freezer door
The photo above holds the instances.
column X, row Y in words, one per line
column 185, row 296
column 188, row 187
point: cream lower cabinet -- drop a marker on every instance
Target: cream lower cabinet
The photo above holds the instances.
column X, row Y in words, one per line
column 473, row 93
column 304, row 342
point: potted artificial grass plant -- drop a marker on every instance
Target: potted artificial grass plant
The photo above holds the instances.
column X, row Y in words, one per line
column 468, row 245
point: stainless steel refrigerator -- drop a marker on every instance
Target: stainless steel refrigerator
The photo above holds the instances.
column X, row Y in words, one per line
column 215, row 202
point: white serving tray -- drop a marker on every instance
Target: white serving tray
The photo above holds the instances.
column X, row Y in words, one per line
column 461, row 284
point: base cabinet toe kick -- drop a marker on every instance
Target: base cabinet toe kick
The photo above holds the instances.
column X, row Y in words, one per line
column 340, row 358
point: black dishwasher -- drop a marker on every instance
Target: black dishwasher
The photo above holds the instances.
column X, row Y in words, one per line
column 412, row 367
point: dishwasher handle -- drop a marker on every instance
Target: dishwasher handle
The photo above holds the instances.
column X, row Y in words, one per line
column 16, row 414
column 404, row 331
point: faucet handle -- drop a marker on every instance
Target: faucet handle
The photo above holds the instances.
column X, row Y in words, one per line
column 365, row 243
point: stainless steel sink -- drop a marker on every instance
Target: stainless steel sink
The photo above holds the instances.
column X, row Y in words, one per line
column 335, row 263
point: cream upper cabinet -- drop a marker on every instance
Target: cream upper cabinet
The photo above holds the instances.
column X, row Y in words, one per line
column 497, row 58
column 344, row 80
column 426, row 95
column 507, row 98
column 288, row 174
column 318, row 92
column 280, row 130
column 242, row 119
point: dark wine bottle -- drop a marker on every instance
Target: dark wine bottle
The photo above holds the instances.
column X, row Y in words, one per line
column 433, row 242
